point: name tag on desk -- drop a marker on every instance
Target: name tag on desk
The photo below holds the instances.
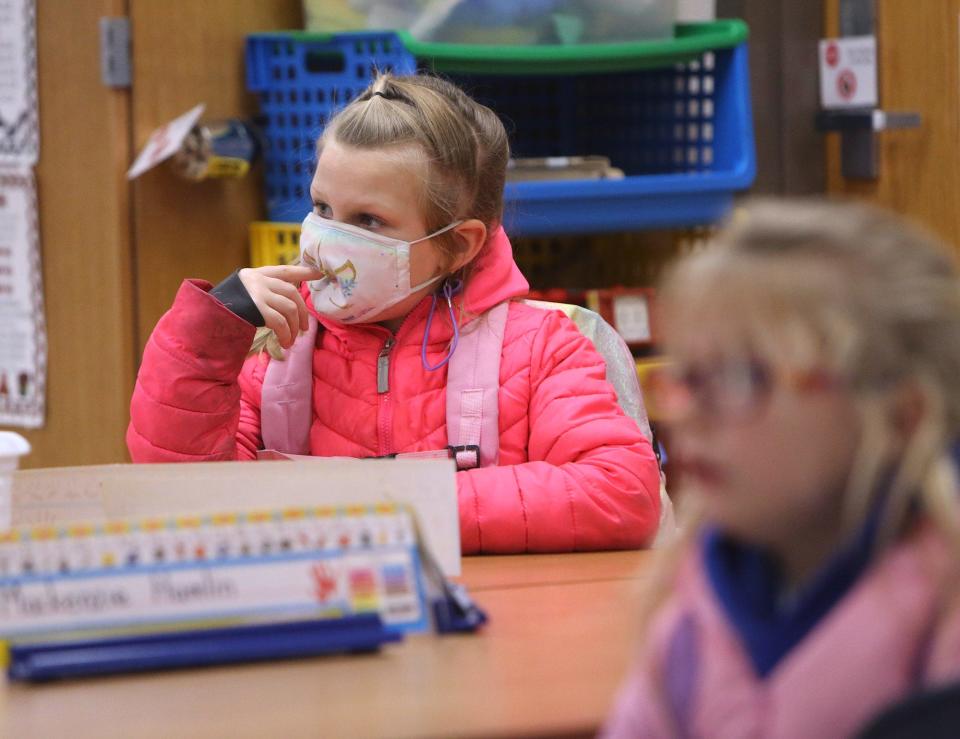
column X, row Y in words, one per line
column 135, row 491
column 163, row 573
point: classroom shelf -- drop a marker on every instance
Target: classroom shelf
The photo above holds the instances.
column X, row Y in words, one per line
column 674, row 116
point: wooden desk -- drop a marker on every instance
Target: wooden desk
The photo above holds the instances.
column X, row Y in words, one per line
column 560, row 636
column 493, row 573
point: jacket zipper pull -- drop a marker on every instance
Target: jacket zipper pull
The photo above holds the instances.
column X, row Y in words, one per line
column 383, row 368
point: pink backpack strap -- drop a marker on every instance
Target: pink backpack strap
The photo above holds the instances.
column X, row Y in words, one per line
column 285, row 403
column 473, row 388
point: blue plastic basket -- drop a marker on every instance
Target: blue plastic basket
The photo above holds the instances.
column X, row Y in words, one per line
column 682, row 133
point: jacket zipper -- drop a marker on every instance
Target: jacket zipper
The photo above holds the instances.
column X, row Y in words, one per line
column 383, row 367
column 384, row 409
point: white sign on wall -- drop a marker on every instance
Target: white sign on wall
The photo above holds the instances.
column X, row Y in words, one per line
column 19, row 128
column 848, row 72
column 23, row 336
column 23, row 339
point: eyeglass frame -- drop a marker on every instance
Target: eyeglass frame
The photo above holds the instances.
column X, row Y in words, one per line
column 763, row 378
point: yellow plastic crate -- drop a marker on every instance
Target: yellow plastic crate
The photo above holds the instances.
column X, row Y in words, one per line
column 646, row 368
column 273, row 243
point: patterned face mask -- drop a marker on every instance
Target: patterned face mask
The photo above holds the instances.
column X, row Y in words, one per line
column 365, row 273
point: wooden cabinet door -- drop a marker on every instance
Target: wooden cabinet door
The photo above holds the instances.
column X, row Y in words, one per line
column 187, row 52
column 114, row 252
column 919, row 71
column 84, row 221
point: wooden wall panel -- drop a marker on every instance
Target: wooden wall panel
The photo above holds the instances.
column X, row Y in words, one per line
column 85, row 240
column 113, row 254
column 187, row 52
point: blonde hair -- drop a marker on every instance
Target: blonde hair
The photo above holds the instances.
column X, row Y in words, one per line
column 460, row 153
column 855, row 289
column 464, row 146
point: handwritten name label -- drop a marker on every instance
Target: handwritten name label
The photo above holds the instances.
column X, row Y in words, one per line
column 306, row 562
column 43, row 601
column 304, row 585
column 203, row 587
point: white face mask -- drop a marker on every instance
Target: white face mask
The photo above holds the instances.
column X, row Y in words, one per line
column 366, row 273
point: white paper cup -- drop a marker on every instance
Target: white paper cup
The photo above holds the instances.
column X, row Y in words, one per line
column 12, row 447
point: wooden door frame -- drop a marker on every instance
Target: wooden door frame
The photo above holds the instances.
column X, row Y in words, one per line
column 785, row 93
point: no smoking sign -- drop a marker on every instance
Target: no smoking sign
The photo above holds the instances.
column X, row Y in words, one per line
column 847, row 84
column 848, row 72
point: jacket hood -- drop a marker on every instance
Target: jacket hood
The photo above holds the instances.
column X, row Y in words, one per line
column 493, row 277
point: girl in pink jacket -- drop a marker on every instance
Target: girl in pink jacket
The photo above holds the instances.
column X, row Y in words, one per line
column 814, row 395
column 402, row 252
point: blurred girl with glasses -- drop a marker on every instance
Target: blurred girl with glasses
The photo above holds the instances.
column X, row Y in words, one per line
column 814, row 394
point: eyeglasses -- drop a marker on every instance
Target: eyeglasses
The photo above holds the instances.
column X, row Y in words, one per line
column 731, row 389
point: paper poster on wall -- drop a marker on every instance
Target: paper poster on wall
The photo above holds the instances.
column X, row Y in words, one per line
column 19, row 127
column 23, row 337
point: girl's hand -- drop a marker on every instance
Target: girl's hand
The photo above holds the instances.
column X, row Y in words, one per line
column 275, row 292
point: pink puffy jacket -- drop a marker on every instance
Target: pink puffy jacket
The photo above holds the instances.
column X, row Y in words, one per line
column 895, row 632
column 575, row 473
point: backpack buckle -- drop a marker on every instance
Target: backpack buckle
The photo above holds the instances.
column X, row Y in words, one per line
column 466, row 455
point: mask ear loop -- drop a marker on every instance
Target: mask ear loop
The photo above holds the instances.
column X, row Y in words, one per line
column 450, row 288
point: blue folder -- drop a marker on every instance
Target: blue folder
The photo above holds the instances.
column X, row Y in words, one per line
column 453, row 612
column 197, row 648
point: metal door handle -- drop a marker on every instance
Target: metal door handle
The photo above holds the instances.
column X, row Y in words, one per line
column 858, row 129
column 865, row 119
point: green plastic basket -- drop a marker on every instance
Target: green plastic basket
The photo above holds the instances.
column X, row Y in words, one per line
column 690, row 40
